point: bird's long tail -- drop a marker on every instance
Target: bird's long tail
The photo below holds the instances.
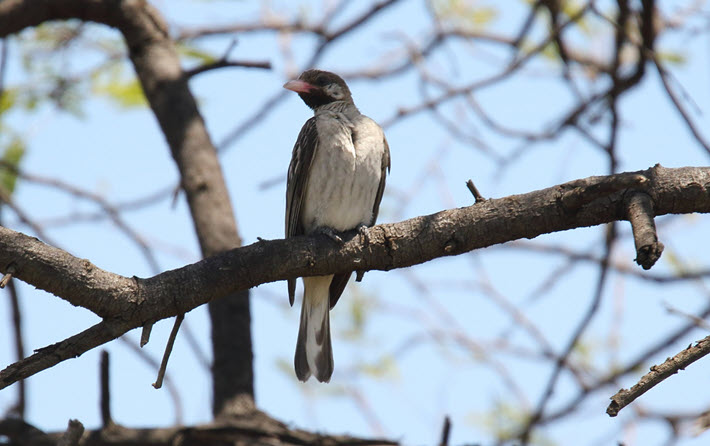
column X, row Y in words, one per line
column 314, row 353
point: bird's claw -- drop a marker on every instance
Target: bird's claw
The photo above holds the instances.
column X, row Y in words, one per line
column 362, row 230
column 330, row 234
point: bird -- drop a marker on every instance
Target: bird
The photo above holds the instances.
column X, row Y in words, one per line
column 335, row 183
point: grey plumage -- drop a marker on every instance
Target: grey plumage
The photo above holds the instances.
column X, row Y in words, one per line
column 336, row 179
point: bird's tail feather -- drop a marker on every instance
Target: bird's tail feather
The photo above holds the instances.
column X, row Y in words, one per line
column 314, row 353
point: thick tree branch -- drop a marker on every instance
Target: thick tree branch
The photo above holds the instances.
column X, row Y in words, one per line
column 127, row 303
column 255, row 428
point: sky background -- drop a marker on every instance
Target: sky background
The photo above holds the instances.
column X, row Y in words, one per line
column 402, row 373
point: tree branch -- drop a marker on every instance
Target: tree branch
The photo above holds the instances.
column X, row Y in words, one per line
column 657, row 374
column 127, row 303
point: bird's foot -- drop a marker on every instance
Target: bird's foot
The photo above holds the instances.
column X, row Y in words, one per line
column 324, row 230
column 362, row 231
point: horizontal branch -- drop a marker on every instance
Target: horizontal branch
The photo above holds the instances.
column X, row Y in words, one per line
column 132, row 302
column 253, row 428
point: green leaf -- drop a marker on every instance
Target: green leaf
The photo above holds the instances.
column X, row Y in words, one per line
column 126, row 94
column 8, row 99
column 675, row 58
column 386, row 367
column 193, row 52
column 12, row 157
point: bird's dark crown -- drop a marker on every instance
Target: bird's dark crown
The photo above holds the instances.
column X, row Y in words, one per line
column 325, row 87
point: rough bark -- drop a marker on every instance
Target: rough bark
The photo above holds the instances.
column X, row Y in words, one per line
column 256, row 429
column 127, row 303
column 157, row 65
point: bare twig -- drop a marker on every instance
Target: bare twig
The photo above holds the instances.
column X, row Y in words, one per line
column 698, row 321
column 20, row 406
column 72, row 435
column 168, row 349
column 640, row 214
column 145, row 333
column 581, row 328
column 474, row 191
column 106, row 419
column 445, row 431
column 155, row 364
column 7, row 276
column 222, row 63
column 657, row 374
column 71, row 347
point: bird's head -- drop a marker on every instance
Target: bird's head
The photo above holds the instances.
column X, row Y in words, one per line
column 318, row 88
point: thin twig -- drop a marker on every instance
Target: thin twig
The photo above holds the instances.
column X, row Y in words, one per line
column 8, row 275
column 72, row 435
column 581, row 328
column 222, row 63
column 657, row 374
column 169, row 384
column 445, row 431
column 168, row 349
column 106, row 419
column 474, row 190
column 145, row 333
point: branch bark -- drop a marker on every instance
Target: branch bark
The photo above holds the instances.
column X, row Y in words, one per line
column 127, row 303
column 658, row 373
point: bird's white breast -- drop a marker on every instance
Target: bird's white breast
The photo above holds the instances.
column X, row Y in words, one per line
column 345, row 172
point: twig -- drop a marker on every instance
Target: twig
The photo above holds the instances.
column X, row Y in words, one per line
column 20, row 406
column 73, row 434
column 223, row 63
column 474, row 190
column 681, row 110
column 657, row 374
column 445, row 431
column 168, row 349
column 111, row 211
column 698, row 321
column 153, row 363
column 106, row 419
column 8, row 275
column 3, row 65
column 145, row 333
column 639, row 211
column 584, row 323
column 71, row 347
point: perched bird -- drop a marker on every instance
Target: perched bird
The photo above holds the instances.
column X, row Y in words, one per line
column 335, row 183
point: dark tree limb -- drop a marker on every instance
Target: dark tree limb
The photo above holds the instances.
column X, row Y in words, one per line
column 127, row 303
column 657, row 374
column 256, row 428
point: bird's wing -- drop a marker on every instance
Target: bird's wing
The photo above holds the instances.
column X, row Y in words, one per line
column 383, row 177
column 296, row 184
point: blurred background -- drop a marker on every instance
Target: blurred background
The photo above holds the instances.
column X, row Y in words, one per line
column 534, row 335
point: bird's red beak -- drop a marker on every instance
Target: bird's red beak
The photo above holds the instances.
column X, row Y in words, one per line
column 299, row 86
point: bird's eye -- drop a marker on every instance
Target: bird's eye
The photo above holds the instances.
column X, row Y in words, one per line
column 321, row 80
